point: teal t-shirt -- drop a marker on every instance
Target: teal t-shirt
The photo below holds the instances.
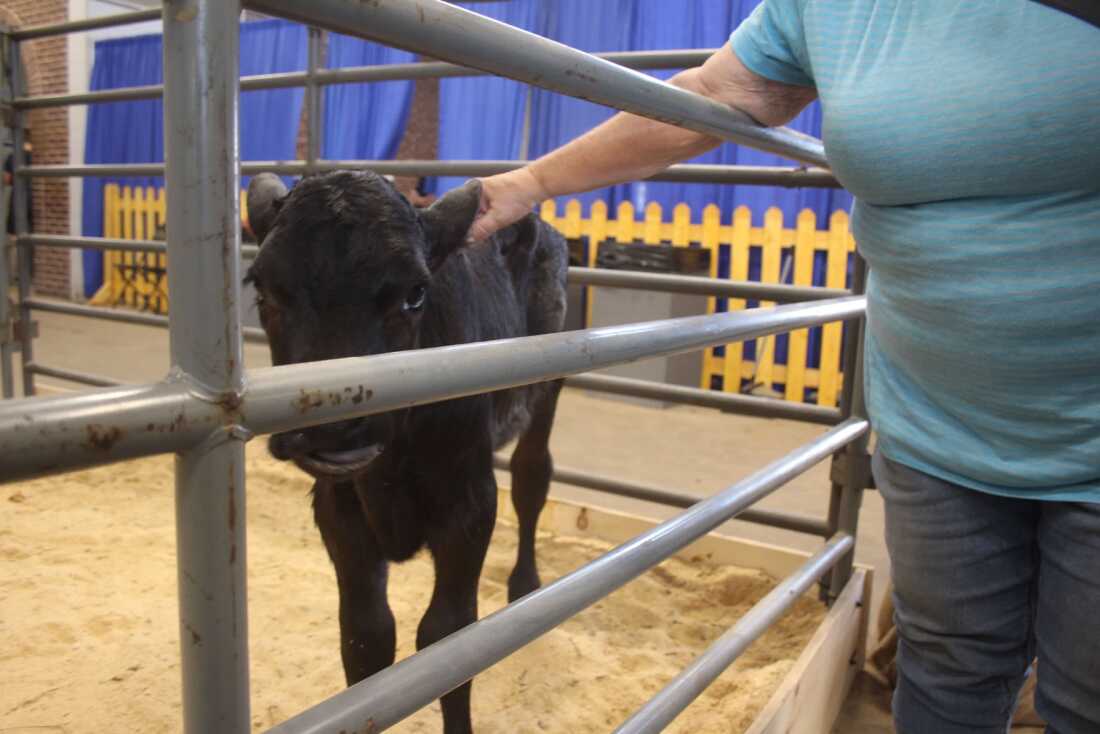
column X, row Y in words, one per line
column 969, row 133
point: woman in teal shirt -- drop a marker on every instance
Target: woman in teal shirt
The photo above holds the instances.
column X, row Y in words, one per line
column 969, row 133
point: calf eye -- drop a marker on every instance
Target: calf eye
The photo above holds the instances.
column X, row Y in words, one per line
column 414, row 299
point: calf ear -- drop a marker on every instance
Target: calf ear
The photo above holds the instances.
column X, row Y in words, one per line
column 265, row 197
column 448, row 220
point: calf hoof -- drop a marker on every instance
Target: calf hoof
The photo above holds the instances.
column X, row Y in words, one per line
column 522, row 584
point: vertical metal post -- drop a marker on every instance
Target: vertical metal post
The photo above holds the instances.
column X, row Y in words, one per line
column 201, row 97
column 7, row 376
column 315, row 100
column 851, row 468
column 19, row 201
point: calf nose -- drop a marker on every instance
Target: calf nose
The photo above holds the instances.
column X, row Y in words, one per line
column 285, row 446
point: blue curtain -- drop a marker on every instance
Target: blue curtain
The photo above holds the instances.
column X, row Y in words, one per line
column 481, row 118
column 557, row 119
column 270, row 117
column 133, row 132
column 364, row 121
column 120, row 132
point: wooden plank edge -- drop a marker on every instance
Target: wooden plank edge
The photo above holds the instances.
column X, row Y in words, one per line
column 812, row 694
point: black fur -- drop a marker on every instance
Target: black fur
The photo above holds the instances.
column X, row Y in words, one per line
column 343, row 255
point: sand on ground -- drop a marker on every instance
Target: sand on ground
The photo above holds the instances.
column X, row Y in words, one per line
column 88, row 625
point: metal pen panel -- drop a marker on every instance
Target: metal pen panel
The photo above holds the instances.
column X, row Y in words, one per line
column 78, row 309
column 295, row 396
column 671, row 700
column 87, row 24
column 314, row 99
column 753, row 405
column 682, row 173
column 20, row 203
column 201, row 99
column 93, row 169
column 106, row 243
column 53, row 434
column 7, row 322
column 398, row 691
column 360, row 74
column 689, row 284
column 451, row 33
column 856, row 477
column 661, row 496
column 323, row 392
column 83, row 378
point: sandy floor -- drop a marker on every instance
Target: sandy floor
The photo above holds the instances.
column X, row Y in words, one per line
column 88, row 618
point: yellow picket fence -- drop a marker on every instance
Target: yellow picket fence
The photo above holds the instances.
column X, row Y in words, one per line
column 135, row 279
column 138, row 280
column 738, row 238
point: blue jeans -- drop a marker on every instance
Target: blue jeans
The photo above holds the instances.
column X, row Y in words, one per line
column 981, row 584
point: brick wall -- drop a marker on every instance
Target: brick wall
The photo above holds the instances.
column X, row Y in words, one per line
column 421, row 139
column 46, row 64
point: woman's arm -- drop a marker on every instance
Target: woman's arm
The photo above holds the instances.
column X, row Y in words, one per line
column 628, row 147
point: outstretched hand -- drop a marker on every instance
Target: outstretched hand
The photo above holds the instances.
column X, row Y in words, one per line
column 505, row 198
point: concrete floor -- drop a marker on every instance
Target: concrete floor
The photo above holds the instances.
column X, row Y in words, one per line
column 693, row 450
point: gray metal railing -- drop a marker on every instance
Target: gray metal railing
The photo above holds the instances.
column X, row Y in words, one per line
column 207, row 407
column 389, row 696
column 451, row 33
column 684, row 173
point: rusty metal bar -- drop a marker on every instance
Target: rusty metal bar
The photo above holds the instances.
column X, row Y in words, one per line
column 360, row 74
column 295, row 396
column 201, row 101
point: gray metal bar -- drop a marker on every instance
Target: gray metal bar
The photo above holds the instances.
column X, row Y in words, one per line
column 20, row 199
column 398, row 691
column 102, row 426
column 296, row 396
column 666, row 283
column 99, row 96
column 105, row 243
column 683, row 173
column 399, row 380
column 88, row 24
column 251, row 333
column 83, row 378
column 729, row 402
column 201, row 59
column 657, row 495
column 361, row 74
column 451, row 33
column 856, row 469
column 315, row 99
column 94, row 312
column 660, row 710
column 7, row 334
column 94, row 169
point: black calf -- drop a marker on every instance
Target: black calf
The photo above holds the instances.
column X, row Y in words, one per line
column 348, row 267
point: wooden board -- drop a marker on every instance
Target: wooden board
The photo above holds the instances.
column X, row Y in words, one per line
column 810, row 697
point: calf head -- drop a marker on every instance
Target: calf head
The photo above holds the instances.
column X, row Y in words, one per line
column 345, row 269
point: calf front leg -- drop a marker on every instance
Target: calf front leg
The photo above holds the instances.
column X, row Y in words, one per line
column 532, row 467
column 367, row 636
column 458, row 551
